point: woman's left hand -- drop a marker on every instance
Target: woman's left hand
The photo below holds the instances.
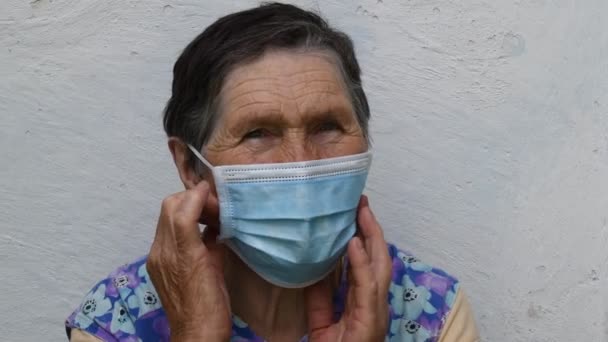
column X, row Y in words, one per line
column 365, row 318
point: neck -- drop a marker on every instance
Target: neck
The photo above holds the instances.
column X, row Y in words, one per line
column 272, row 312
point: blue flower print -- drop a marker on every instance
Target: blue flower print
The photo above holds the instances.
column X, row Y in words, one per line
column 413, row 262
column 417, row 299
column 142, row 271
column 95, row 304
column 412, row 331
column 126, row 307
column 396, row 302
column 145, row 299
column 450, row 296
column 122, row 281
column 121, row 320
column 394, row 327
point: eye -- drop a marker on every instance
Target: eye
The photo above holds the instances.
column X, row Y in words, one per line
column 329, row 126
column 256, row 134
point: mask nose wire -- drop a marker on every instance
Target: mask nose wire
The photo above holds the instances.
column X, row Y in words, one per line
column 200, row 157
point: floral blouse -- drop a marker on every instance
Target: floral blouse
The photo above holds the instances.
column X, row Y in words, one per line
column 126, row 307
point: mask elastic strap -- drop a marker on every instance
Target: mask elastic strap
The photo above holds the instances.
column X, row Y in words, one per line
column 200, row 157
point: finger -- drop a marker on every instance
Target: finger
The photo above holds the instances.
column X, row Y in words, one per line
column 363, row 284
column 363, row 202
column 373, row 236
column 168, row 208
column 211, row 212
column 187, row 232
column 368, row 225
column 215, row 249
column 164, row 238
column 319, row 307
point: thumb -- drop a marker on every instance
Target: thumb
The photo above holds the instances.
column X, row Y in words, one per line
column 187, row 232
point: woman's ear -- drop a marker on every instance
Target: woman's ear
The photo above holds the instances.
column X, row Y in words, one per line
column 181, row 158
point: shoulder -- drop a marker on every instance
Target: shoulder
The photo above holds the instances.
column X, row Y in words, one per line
column 420, row 297
column 123, row 305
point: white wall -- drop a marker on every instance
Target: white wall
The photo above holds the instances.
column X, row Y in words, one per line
column 490, row 121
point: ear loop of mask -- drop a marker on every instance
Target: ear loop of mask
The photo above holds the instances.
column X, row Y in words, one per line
column 200, row 157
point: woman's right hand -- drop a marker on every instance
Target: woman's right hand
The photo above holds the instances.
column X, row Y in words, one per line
column 187, row 272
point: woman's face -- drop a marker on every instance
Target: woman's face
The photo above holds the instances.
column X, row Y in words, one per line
column 284, row 107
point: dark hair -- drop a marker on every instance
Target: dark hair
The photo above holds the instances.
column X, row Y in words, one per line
column 199, row 72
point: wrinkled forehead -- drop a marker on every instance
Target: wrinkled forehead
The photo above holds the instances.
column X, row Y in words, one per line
column 284, row 63
column 285, row 78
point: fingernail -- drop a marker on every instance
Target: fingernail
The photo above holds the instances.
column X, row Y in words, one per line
column 364, row 200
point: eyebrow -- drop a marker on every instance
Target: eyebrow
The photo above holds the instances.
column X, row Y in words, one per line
column 256, row 118
column 275, row 118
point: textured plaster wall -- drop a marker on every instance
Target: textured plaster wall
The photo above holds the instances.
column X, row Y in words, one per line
column 490, row 122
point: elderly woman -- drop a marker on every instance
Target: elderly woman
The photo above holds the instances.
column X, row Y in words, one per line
column 268, row 128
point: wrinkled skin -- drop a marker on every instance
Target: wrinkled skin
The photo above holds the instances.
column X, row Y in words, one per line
column 283, row 107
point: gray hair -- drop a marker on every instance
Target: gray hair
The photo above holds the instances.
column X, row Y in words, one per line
column 198, row 75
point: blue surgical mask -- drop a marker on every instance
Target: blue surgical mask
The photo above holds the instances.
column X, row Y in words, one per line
column 290, row 222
